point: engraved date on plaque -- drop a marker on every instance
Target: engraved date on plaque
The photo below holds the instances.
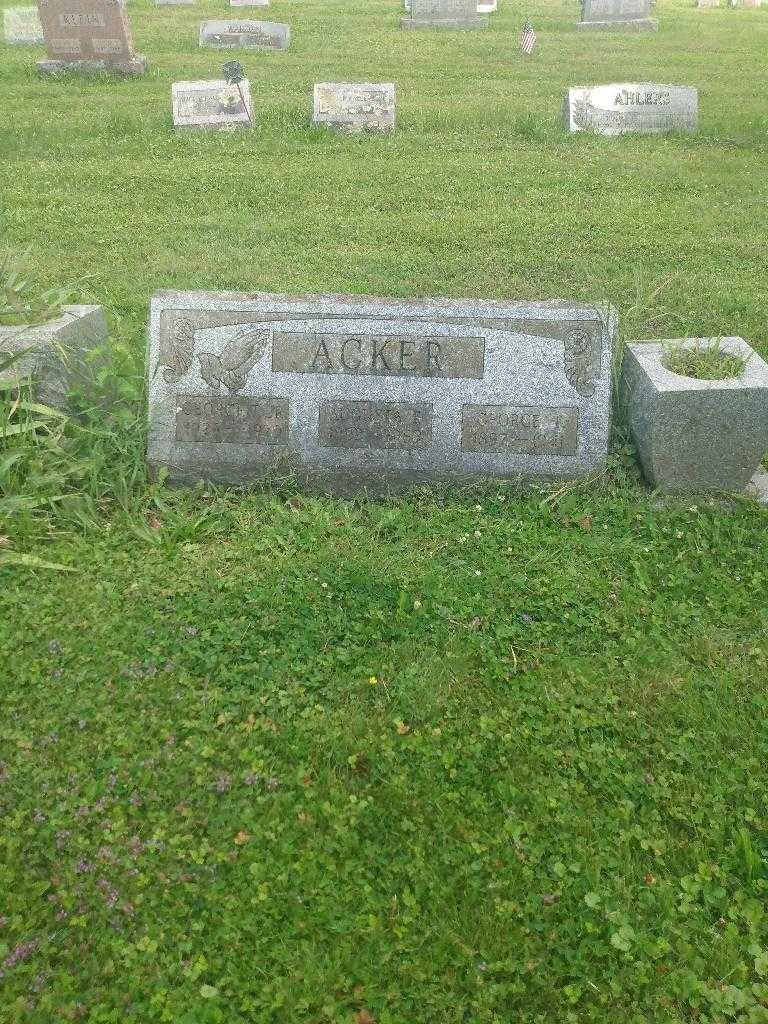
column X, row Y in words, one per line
column 232, row 420
column 379, row 355
column 519, row 429
column 378, row 425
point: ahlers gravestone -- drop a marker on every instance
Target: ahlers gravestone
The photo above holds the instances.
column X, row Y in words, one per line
column 644, row 108
column 353, row 392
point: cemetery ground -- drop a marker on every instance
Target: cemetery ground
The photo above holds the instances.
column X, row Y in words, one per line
column 466, row 755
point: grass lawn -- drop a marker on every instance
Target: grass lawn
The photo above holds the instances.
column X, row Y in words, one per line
column 465, row 757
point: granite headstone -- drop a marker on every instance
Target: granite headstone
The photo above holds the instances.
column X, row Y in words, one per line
column 617, row 15
column 22, row 26
column 255, row 35
column 357, row 392
column 355, row 107
column 446, row 14
column 211, row 106
column 88, row 34
column 644, row 108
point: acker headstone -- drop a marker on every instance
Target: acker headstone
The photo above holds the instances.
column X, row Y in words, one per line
column 356, row 106
column 255, row 35
column 22, row 26
column 446, row 14
column 645, row 109
column 352, row 391
column 617, row 15
column 211, row 106
column 88, row 34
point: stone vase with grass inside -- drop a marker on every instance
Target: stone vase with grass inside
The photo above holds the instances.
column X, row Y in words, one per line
column 697, row 410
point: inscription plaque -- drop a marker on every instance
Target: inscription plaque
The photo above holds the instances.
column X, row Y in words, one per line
column 232, row 420
column 359, row 392
column 645, row 109
column 378, row 354
column 92, row 34
column 375, row 425
column 520, row 429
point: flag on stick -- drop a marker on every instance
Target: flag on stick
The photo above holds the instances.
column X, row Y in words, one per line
column 527, row 39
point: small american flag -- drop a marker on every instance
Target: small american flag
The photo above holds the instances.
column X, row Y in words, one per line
column 527, row 38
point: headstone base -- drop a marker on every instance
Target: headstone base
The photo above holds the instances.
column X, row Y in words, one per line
column 52, row 68
column 447, row 23
column 633, row 25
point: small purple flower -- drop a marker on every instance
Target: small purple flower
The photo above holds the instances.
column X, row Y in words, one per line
column 223, row 783
column 22, row 952
column 83, row 867
column 54, row 647
column 62, row 838
column 109, row 892
column 251, row 779
column 526, row 618
column 135, row 799
column 38, row 817
column 482, row 966
column 272, row 783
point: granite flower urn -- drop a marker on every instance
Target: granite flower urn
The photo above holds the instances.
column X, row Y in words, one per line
column 692, row 434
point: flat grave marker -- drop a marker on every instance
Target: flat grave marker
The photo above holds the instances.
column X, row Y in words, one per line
column 355, row 106
column 444, row 14
column 88, row 35
column 617, row 16
column 253, row 35
column 357, row 392
column 211, row 106
column 623, row 108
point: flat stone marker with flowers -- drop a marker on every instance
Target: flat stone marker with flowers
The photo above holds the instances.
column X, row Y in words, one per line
column 255, row 35
column 355, row 107
column 22, row 27
column 219, row 105
column 88, row 35
column 697, row 410
column 353, row 392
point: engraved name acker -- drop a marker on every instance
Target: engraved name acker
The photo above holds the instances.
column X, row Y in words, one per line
column 353, row 392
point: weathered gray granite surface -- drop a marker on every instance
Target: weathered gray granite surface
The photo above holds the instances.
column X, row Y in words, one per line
column 446, row 14
column 617, row 15
column 256, row 35
column 22, row 27
column 360, row 106
column 358, row 392
column 695, row 435
column 642, row 108
column 88, row 35
column 211, row 105
column 55, row 351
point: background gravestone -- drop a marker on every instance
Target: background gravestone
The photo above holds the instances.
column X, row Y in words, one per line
column 645, row 109
column 353, row 391
column 22, row 26
column 355, row 106
column 255, row 35
column 89, row 34
column 447, row 14
column 212, row 105
column 617, row 15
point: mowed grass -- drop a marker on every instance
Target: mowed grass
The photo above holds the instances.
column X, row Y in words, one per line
column 473, row 756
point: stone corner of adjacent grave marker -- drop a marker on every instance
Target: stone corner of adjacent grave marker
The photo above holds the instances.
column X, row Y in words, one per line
column 361, row 392
column 22, row 27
